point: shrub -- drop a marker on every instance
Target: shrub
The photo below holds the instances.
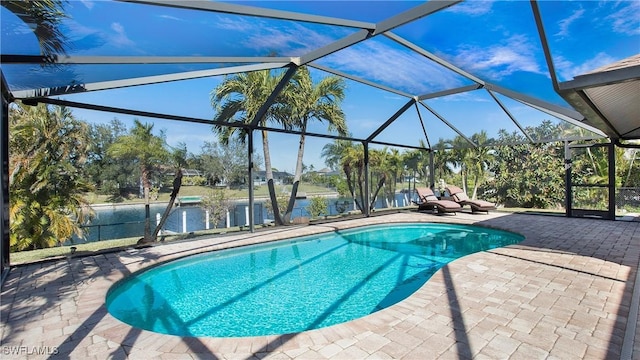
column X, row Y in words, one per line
column 318, row 205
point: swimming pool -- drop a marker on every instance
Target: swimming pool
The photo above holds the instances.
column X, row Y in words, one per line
column 294, row 285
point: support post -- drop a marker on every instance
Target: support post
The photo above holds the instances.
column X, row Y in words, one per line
column 250, row 181
column 367, row 190
column 568, row 199
column 4, row 174
column 432, row 176
column 612, row 181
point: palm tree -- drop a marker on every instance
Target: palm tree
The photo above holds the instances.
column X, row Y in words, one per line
column 179, row 160
column 352, row 162
column 44, row 16
column 47, row 183
column 306, row 101
column 238, row 99
column 332, row 153
column 150, row 153
column 390, row 168
column 480, row 161
column 417, row 161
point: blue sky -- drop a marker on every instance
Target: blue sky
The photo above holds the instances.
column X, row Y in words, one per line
column 496, row 41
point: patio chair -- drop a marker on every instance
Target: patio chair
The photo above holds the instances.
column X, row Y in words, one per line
column 428, row 201
column 463, row 199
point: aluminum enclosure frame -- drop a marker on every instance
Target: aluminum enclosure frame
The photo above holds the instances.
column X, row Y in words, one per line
column 364, row 31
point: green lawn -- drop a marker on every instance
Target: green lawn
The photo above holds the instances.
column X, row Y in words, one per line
column 259, row 192
column 94, row 248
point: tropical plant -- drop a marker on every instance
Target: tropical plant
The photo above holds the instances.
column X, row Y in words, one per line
column 416, row 163
column 305, row 101
column 443, row 160
column 47, row 184
column 318, row 205
column 226, row 163
column 353, row 165
column 392, row 164
column 527, row 175
column 238, row 99
column 109, row 175
column 281, row 204
column 149, row 151
column 44, row 17
column 479, row 160
column 217, row 204
column 332, row 153
column 178, row 158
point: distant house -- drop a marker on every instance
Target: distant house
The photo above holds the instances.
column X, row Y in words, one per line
column 190, row 173
column 328, row 172
column 279, row 178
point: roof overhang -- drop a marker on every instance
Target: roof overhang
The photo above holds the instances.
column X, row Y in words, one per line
column 609, row 98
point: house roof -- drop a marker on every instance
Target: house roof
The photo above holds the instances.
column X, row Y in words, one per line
column 609, row 97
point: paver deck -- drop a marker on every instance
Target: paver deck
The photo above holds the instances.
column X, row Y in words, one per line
column 565, row 292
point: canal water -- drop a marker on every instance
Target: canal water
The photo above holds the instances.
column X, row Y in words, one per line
column 123, row 221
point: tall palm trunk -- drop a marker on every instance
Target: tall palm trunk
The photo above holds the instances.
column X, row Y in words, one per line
column 177, row 183
column 360, row 170
column 297, row 175
column 269, row 174
column 375, row 194
column 350, row 183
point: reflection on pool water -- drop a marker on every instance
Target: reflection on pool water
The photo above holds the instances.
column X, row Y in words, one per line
column 294, row 285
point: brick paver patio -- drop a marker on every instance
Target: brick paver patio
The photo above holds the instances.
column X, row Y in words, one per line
column 566, row 292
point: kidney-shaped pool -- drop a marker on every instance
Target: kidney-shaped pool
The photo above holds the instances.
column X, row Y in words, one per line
column 297, row 284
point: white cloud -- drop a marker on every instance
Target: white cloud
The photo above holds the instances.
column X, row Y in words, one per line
column 564, row 24
column 169, row 17
column 287, row 39
column 234, row 24
column 467, row 97
column 500, row 60
column 88, row 4
column 568, row 70
column 626, row 18
column 473, row 8
column 283, row 37
column 392, row 67
column 120, row 38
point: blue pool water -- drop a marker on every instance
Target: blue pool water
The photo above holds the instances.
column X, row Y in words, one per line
column 294, row 285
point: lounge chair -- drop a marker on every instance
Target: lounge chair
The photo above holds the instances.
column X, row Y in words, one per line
column 462, row 198
column 428, row 201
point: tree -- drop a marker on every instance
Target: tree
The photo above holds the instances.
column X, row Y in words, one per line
column 333, row 152
column 305, row 101
column 44, row 17
column 416, row 162
column 109, row 175
column 47, row 184
column 226, row 164
column 217, row 204
column 353, row 165
column 479, row 160
column 443, row 159
column 238, row 99
column 318, row 205
column 149, row 152
column 527, row 175
column 178, row 158
column 393, row 166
